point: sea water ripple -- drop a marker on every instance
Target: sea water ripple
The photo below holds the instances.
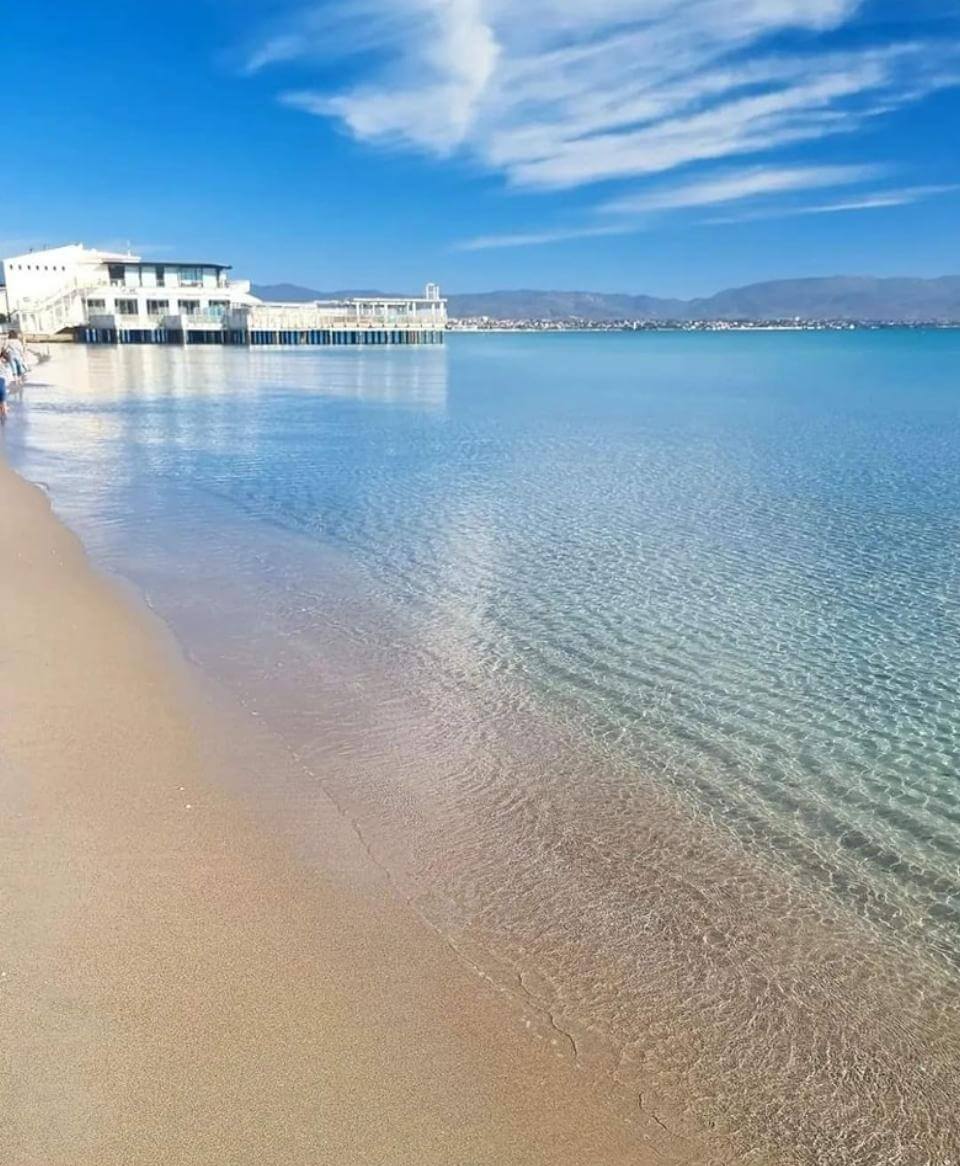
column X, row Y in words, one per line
column 635, row 658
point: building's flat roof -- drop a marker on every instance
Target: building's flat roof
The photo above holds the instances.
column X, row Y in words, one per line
column 169, row 263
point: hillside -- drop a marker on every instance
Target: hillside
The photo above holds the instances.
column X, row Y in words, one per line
column 832, row 297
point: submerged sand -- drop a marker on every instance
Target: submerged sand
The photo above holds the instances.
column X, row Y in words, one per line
column 178, row 984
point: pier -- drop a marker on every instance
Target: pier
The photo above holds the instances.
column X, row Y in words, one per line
column 318, row 323
column 246, row 333
column 259, row 337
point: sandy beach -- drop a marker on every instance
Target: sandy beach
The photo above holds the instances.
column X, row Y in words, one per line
column 178, row 985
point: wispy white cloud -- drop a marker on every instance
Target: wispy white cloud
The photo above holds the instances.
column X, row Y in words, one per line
column 538, row 238
column 276, row 49
column 874, row 201
column 634, row 212
column 638, row 212
column 732, row 186
column 821, row 102
column 555, row 94
column 441, row 59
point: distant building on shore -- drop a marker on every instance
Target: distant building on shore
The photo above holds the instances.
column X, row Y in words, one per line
column 106, row 297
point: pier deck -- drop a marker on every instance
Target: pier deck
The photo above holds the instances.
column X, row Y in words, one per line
column 353, row 322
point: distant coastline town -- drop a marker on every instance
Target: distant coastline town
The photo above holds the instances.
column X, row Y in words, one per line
column 823, row 303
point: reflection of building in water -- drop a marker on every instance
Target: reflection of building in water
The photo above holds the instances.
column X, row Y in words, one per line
column 416, row 381
column 412, row 378
column 103, row 297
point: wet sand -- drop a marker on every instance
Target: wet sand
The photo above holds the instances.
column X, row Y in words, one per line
column 178, row 982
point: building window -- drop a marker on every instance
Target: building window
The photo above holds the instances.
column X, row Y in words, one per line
column 161, row 276
column 115, row 272
column 219, row 307
column 158, row 307
column 190, row 276
column 127, row 308
column 96, row 305
column 187, row 307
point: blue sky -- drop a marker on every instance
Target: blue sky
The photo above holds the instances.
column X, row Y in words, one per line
column 664, row 146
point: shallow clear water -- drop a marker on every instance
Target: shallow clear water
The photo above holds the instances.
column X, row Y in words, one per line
column 634, row 659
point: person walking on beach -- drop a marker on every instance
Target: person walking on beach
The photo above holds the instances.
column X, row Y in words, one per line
column 6, row 379
column 16, row 355
column 13, row 369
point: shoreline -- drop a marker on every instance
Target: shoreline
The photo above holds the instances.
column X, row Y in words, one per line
column 177, row 983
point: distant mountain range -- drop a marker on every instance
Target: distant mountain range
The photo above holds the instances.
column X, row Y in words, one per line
column 840, row 297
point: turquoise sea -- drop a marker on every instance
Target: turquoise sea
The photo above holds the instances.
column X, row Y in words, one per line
column 633, row 658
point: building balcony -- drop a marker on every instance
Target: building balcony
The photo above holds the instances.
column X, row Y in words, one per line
column 144, row 319
column 201, row 319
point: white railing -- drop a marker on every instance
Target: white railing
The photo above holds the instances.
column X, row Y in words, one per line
column 176, row 320
column 101, row 279
column 202, row 317
column 271, row 317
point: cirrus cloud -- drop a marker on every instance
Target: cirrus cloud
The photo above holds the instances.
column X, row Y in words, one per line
column 554, row 93
column 557, row 94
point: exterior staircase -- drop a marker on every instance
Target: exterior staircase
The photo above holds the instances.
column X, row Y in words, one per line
column 51, row 314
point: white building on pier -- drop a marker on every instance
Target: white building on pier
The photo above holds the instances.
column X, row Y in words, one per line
column 105, row 297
